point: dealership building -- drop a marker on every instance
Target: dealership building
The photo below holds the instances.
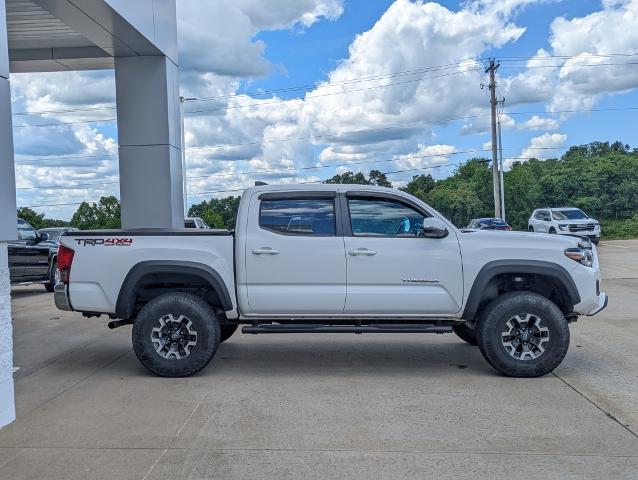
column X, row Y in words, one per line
column 138, row 39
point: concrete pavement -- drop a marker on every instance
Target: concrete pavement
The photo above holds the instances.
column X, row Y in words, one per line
column 323, row 406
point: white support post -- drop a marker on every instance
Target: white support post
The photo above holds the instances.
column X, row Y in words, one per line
column 8, row 229
column 149, row 135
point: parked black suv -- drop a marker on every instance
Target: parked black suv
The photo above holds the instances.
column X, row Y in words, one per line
column 31, row 258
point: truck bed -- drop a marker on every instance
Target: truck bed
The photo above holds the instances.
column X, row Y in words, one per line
column 114, row 253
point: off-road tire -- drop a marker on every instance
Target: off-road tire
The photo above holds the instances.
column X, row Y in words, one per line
column 464, row 332
column 226, row 331
column 492, row 324
column 595, row 241
column 51, row 283
column 204, row 323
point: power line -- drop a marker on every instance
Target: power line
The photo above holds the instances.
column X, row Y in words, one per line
column 362, row 79
column 58, row 124
column 528, row 112
column 311, row 97
column 46, row 159
column 292, row 169
column 337, row 83
column 574, row 65
column 71, row 110
column 317, row 181
column 313, row 137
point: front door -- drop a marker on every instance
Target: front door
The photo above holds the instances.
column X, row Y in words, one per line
column 295, row 259
column 391, row 269
column 34, row 258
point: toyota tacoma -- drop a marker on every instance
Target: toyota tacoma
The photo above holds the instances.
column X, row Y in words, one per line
column 333, row 258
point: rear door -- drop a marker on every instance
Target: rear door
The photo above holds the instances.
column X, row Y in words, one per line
column 295, row 258
column 391, row 269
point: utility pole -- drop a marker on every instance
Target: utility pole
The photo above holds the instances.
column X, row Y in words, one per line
column 491, row 69
column 500, row 170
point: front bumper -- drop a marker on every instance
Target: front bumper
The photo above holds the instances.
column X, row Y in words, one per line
column 61, row 297
column 603, row 300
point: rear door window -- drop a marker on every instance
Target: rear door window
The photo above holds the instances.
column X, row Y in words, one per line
column 298, row 216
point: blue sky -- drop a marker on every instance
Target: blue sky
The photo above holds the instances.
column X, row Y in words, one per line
column 239, row 48
column 307, row 56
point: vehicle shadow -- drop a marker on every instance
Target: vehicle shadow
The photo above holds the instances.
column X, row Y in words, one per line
column 395, row 355
column 28, row 291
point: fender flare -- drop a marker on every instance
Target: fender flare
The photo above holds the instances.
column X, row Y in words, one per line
column 538, row 267
column 128, row 292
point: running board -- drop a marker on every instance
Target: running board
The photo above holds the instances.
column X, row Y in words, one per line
column 374, row 328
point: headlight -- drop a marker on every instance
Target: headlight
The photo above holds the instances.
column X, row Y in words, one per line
column 563, row 227
column 580, row 255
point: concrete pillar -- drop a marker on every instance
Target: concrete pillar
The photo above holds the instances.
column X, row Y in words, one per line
column 8, row 229
column 147, row 95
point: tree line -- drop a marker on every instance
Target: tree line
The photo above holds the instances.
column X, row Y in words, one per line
column 601, row 178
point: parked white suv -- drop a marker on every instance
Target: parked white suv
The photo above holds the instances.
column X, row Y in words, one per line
column 564, row 221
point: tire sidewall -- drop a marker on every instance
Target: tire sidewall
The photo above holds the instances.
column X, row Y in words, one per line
column 492, row 324
column 204, row 321
column 51, row 283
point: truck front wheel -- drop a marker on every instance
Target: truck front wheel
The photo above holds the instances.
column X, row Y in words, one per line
column 176, row 334
column 523, row 334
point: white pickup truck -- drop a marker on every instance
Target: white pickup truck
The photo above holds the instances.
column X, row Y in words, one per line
column 333, row 258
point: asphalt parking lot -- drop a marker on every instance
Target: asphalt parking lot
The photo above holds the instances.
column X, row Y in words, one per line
column 324, row 406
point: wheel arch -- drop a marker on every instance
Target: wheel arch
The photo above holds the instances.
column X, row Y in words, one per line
column 559, row 276
column 126, row 300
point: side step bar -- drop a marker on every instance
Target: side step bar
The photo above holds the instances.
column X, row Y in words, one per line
column 373, row 328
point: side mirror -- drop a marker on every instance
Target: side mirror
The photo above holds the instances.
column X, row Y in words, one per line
column 42, row 237
column 434, row 228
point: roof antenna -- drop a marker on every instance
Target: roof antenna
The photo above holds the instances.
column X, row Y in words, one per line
column 260, row 184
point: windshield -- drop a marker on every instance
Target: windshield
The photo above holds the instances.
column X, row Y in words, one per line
column 53, row 234
column 571, row 214
column 493, row 221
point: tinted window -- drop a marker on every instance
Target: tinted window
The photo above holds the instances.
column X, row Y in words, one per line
column 189, row 224
column 571, row 214
column 26, row 231
column 299, row 216
column 542, row 215
column 487, row 222
column 380, row 217
column 54, row 235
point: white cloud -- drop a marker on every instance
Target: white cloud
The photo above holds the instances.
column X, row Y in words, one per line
column 592, row 69
column 425, row 156
column 540, row 123
column 376, row 117
column 543, row 146
column 218, row 36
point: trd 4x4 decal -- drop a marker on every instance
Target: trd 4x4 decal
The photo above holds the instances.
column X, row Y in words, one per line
column 105, row 242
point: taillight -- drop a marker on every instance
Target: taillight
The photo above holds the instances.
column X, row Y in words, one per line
column 65, row 259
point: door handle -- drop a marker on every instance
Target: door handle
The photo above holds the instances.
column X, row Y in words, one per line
column 362, row 251
column 265, row 251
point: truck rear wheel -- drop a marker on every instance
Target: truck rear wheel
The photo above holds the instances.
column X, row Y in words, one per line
column 176, row 334
column 523, row 334
column 227, row 330
column 464, row 332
